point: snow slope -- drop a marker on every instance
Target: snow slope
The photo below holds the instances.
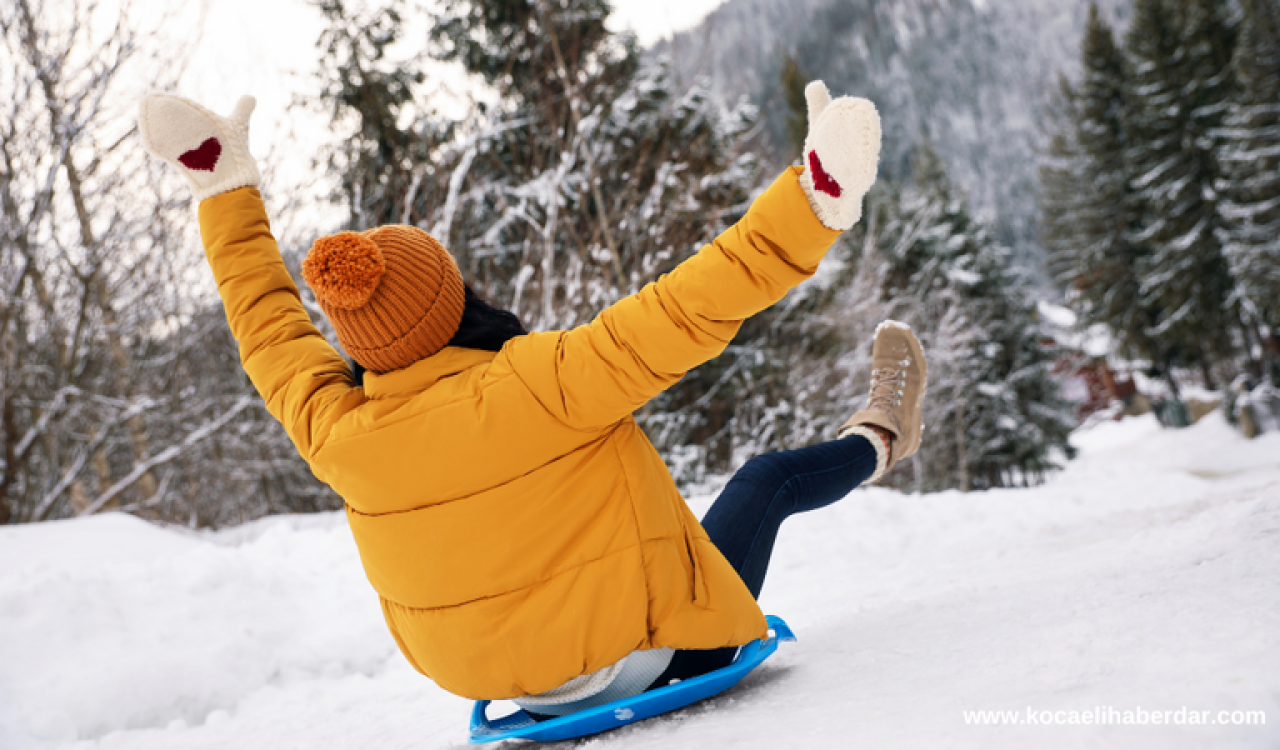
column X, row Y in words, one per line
column 1143, row 576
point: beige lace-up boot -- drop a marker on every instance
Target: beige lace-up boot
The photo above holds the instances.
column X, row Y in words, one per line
column 896, row 401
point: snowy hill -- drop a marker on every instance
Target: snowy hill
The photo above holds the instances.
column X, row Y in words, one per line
column 1143, row 576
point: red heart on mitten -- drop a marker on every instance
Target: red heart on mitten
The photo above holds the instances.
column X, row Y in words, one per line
column 821, row 180
column 203, row 158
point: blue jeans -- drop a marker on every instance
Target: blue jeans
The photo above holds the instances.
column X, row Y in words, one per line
column 744, row 520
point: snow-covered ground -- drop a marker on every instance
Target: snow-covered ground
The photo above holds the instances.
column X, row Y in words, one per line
column 1145, row 576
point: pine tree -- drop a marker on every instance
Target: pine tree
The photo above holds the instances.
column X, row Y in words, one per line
column 588, row 174
column 993, row 416
column 1177, row 96
column 1251, row 183
column 1018, row 422
column 373, row 99
column 1064, row 178
column 1088, row 238
column 534, row 52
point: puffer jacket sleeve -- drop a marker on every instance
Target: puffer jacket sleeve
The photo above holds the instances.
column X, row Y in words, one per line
column 597, row 374
column 305, row 383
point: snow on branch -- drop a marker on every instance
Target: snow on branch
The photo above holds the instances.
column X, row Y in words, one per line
column 46, row 417
column 168, row 454
column 69, row 476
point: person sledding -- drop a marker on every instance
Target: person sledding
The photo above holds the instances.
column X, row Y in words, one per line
column 525, row 537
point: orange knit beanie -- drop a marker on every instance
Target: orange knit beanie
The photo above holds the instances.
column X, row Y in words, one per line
column 394, row 294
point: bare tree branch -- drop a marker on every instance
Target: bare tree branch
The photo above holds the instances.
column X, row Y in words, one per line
column 168, row 454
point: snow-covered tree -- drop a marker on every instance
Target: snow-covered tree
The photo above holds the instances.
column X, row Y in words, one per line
column 371, row 97
column 993, row 415
column 1177, row 95
column 1250, row 186
column 1064, row 181
column 1090, row 213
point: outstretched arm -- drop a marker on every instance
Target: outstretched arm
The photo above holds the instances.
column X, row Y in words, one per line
column 598, row 373
column 305, row 383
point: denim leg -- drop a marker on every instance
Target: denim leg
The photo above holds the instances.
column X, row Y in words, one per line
column 744, row 520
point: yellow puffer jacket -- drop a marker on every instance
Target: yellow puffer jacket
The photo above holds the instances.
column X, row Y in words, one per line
column 518, row 525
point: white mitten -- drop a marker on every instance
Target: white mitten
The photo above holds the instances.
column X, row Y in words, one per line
column 211, row 151
column 841, row 154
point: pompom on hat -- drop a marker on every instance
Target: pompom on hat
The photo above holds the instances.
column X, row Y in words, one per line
column 394, row 294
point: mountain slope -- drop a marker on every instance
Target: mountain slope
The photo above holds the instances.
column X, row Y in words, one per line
column 973, row 76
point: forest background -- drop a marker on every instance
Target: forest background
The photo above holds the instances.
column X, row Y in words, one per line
column 1119, row 158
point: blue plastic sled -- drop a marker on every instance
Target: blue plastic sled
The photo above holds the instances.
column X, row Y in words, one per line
column 520, row 725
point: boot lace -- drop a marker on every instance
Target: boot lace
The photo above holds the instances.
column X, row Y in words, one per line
column 887, row 384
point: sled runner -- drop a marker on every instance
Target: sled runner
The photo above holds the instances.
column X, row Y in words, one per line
column 520, row 725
